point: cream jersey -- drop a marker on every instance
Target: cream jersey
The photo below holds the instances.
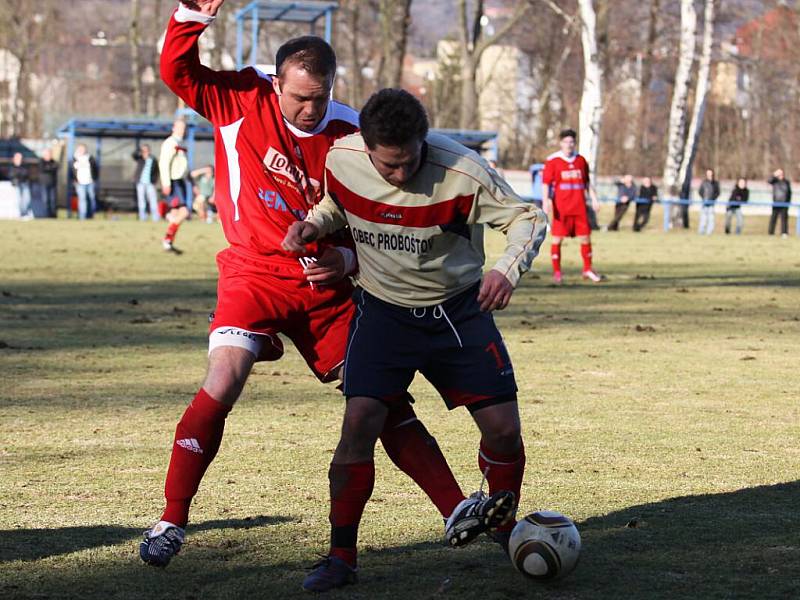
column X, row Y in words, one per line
column 422, row 243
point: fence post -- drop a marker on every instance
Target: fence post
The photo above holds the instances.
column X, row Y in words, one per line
column 667, row 204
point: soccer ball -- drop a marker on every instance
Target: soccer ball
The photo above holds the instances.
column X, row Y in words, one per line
column 544, row 545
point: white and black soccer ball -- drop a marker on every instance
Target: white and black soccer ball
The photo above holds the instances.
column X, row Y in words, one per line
column 545, row 545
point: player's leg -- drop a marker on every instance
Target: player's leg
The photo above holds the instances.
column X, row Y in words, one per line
column 322, row 340
column 197, row 439
column 557, row 234
column 583, row 233
column 176, row 217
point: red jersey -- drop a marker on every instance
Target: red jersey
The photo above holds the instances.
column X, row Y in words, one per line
column 268, row 172
column 569, row 176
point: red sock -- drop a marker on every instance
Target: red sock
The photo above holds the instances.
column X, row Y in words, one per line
column 505, row 472
column 555, row 256
column 351, row 486
column 586, row 254
column 197, row 439
column 416, row 453
column 172, row 231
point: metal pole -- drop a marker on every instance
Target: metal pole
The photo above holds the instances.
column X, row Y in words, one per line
column 239, row 35
column 667, row 204
column 328, row 24
column 254, row 37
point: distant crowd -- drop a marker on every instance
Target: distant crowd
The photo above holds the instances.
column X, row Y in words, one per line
column 162, row 184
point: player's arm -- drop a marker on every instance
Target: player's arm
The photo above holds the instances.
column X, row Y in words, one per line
column 222, row 97
column 547, row 179
column 525, row 227
column 593, row 197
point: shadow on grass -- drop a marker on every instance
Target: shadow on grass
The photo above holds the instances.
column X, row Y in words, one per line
column 741, row 544
column 34, row 544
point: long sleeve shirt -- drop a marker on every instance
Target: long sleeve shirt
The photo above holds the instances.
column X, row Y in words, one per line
column 422, row 243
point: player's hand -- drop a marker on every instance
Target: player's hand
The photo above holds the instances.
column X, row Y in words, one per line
column 595, row 205
column 207, row 7
column 300, row 234
column 495, row 292
column 328, row 269
column 166, row 190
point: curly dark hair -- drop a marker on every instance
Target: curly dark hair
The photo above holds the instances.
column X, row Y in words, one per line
column 311, row 53
column 392, row 117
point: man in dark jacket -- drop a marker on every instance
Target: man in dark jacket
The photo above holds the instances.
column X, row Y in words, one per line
column 145, row 178
column 626, row 196
column 781, row 197
column 48, row 181
column 648, row 193
column 709, row 192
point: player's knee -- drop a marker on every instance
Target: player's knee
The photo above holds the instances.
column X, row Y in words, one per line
column 505, row 438
column 228, row 368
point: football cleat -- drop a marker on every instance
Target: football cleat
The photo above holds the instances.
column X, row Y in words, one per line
column 329, row 573
column 557, row 278
column 592, row 276
column 477, row 514
column 161, row 543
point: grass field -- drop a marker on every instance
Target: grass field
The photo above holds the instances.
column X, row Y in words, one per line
column 660, row 411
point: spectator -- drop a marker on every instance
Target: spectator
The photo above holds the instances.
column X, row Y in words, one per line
column 204, row 204
column 173, row 166
column 20, row 179
column 781, row 194
column 626, row 195
column 709, row 192
column 679, row 212
column 84, row 176
column 48, row 182
column 739, row 196
column 146, row 177
column 648, row 193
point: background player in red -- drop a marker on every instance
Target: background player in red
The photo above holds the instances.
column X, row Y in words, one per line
column 565, row 182
column 271, row 138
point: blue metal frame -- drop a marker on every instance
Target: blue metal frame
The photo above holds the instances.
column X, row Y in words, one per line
column 275, row 10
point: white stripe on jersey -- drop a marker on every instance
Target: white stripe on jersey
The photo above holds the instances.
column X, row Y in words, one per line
column 229, row 133
column 336, row 112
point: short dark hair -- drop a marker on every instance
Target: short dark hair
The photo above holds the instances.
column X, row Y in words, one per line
column 392, row 117
column 568, row 133
column 311, row 53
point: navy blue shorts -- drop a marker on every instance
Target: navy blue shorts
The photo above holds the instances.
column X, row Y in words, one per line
column 454, row 345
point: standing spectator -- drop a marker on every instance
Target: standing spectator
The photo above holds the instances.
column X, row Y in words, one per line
column 781, row 195
column 648, row 193
column 739, row 196
column 146, row 177
column 709, row 192
column 679, row 212
column 48, row 182
column 84, row 176
column 204, row 204
column 626, row 195
column 21, row 180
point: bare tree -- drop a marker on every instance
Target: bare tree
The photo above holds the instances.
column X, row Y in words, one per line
column 472, row 46
column 680, row 95
column 646, row 79
column 394, row 17
column 136, row 67
column 591, row 111
column 700, row 96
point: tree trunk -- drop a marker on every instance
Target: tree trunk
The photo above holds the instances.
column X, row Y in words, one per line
column 700, row 96
column 680, row 93
column 395, row 17
column 647, row 77
column 591, row 109
column 136, row 67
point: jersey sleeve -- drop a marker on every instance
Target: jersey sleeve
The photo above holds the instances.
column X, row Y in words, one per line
column 165, row 156
column 585, row 168
column 524, row 225
column 327, row 214
column 220, row 96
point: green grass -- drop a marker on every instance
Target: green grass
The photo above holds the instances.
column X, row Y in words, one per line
column 665, row 398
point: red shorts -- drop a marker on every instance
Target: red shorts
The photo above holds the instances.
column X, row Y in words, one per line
column 254, row 298
column 570, row 226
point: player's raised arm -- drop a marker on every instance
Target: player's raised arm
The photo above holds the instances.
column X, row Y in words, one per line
column 299, row 235
column 220, row 96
